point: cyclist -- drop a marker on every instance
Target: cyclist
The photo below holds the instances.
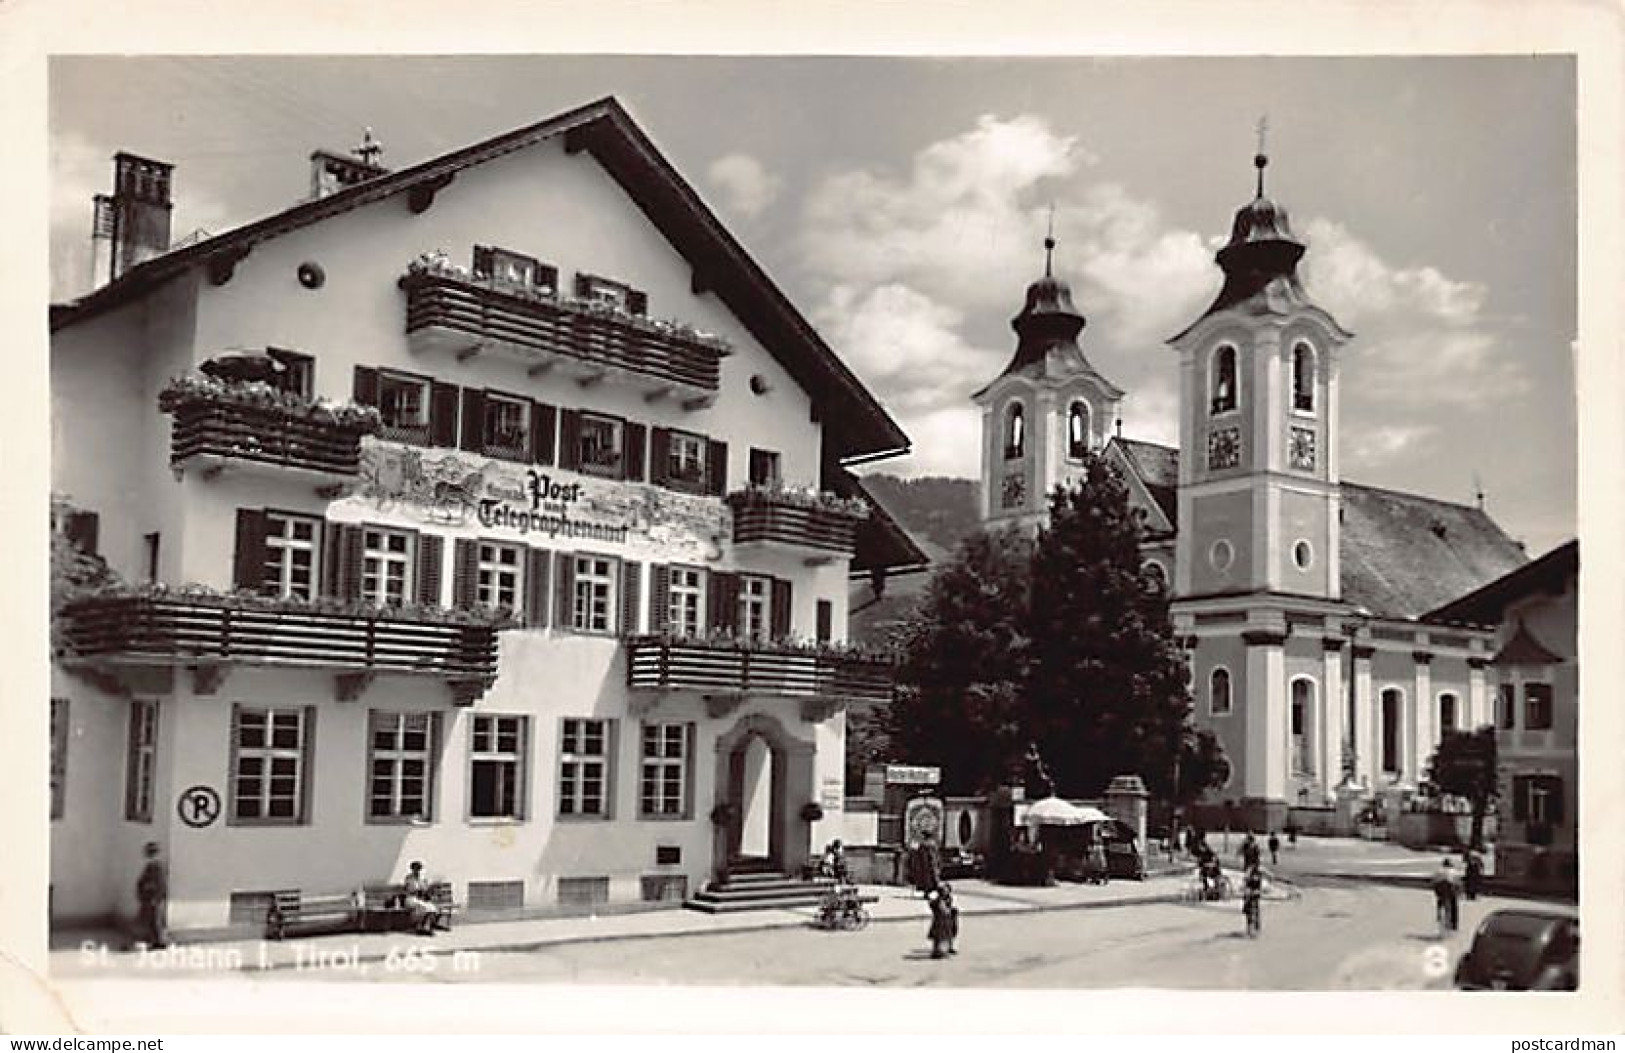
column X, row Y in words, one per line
column 1252, row 900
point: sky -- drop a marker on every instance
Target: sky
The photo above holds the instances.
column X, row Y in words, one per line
column 901, row 204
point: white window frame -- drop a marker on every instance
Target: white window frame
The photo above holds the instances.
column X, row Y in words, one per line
column 585, row 761
column 685, row 458
column 397, row 755
column 486, row 746
column 282, row 549
column 755, row 620
column 1213, row 707
column 141, row 760
column 685, row 601
column 393, row 386
column 499, row 582
column 377, row 561
column 269, row 755
column 664, row 769
column 593, row 594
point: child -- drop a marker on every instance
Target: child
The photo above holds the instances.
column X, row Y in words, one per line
column 944, row 920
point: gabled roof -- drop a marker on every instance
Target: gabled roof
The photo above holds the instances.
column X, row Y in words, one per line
column 1487, row 605
column 1158, row 470
column 856, row 425
column 881, row 544
column 1524, row 649
column 1402, row 554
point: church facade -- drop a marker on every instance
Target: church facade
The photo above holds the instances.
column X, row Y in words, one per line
column 1296, row 593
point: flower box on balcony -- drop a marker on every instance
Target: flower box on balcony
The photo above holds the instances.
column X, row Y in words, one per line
column 218, row 425
column 781, row 669
column 795, row 519
column 448, row 309
column 211, row 631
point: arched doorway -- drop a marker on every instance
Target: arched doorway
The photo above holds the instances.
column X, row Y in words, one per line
column 764, row 776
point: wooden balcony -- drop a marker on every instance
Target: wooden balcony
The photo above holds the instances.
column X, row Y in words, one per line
column 730, row 670
column 468, row 316
column 765, row 518
column 222, row 435
column 211, row 634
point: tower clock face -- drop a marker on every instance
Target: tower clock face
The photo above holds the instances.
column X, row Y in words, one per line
column 1223, row 448
column 1303, row 448
column 1015, row 490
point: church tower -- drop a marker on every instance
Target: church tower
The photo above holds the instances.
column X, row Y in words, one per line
column 1045, row 411
column 1258, row 484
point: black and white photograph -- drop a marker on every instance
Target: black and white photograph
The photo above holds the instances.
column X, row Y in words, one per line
column 1083, row 521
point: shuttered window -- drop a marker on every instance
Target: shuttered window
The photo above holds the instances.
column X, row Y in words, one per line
column 141, row 760
column 685, row 602
column 386, row 566
column 500, row 579
column 292, row 547
column 755, row 607
column 593, row 588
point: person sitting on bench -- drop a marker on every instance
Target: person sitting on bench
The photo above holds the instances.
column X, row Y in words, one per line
column 420, row 901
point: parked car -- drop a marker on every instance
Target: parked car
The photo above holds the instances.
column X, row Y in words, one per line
column 1522, row 950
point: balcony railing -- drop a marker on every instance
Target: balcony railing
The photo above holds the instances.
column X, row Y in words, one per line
column 216, row 631
column 220, row 432
column 467, row 315
column 766, row 517
column 681, row 665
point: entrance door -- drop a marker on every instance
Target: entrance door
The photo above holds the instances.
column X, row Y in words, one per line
column 756, row 786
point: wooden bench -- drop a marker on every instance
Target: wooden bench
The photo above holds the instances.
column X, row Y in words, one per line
column 295, row 910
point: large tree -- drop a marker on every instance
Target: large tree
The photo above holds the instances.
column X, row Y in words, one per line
column 964, row 667
column 1465, row 765
column 1108, row 685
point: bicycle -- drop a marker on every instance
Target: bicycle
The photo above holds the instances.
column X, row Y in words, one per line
column 841, row 909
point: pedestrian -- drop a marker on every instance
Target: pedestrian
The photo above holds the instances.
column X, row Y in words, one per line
column 1473, row 865
column 1275, row 849
column 420, row 901
column 152, row 894
column 1292, row 834
column 944, row 920
column 1251, row 856
column 1445, row 896
column 1252, row 900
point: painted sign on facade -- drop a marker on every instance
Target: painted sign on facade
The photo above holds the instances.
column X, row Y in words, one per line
column 912, row 775
column 537, row 504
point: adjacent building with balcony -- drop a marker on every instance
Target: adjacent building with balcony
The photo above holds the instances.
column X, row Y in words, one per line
column 483, row 513
column 1535, row 612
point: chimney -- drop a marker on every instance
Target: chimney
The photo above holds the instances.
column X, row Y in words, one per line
column 132, row 226
column 332, row 172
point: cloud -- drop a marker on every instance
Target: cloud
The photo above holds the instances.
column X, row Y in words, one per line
column 1423, row 340
column 1372, row 447
column 746, row 186
column 947, row 441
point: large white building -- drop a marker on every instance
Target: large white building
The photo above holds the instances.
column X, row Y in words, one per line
column 300, row 685
column 1297, row 593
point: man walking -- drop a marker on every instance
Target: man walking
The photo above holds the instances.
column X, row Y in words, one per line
column 152, row 893
column 1275, row 849
column 1250, row 854
column 1445, row 896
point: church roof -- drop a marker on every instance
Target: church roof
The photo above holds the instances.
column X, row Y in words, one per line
column 856, row 425
column 1047, row 331
column 1402, row 554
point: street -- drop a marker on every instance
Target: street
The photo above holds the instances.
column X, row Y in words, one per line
column 1335, row 936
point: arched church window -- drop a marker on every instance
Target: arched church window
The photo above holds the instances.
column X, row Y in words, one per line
column 1077, row 430
column 1447, row 712
column 1303, row 378
column 1224, row 379
column 1218, row 696
column 1015, row 432
column 1393, row 704
column 1303, row 700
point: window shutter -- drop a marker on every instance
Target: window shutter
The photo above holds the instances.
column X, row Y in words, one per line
column 1520, row 798
column 248, row 566
column 235, row 743
column 543, row 425
column 583, row 285
column 1554, row 801
column 564, row 590
column 631, row 593
column 482, row 261
column 659, row 454
column 688, row 771
column 366, row 386
column 473, row 420
column 307, row 774
column 637, row 302
column 352, row 561
column 659, row 598
column 537, row 562
column 332, row 558
column 443, row 399
column 723, row 594
column 465, row 574
column 716, row 468
column 570, row 439
column 779, row 616
column 545, row 276
column 81, row 530
column 636, row 448
column 431, row 562
column 612, row 757
column 826, row 621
